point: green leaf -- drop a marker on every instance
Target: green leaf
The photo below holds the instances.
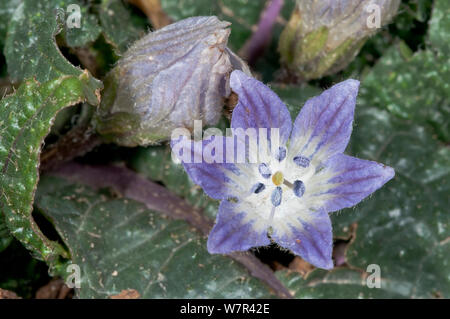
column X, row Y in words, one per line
column 439, row 26
column 119, row 244
column 415, row 87
column 156, row 164
column 75, row 37
column 405, row 226
column 30, row 48
column 119, row 26
column 25, row 120
column 7, row 8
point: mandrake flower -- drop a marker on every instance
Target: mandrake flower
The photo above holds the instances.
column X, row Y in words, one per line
column 287, row 194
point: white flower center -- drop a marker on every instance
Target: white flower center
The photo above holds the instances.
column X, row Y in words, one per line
column 279, row 190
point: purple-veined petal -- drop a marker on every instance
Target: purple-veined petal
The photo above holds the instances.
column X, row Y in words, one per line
column 258, row 107
column 206, row 164
column 310, row 237
column 235, row 230
column 345, row 181
column 324, row 124
column 168, row 79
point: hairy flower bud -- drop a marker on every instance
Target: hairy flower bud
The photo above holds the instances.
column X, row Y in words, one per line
column 323, row 37
column 166, row 80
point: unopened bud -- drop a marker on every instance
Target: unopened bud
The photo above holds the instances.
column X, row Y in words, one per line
column 323, row 36
column 166, row 80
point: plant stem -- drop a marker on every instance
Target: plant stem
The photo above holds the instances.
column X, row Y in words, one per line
column 77, row 142
column 255, row 46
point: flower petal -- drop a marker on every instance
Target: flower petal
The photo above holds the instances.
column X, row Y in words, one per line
column 311, row 238
column 324, row 125
column 235, row 231
column 206, row 164
column 258, row 107
column 346, row 180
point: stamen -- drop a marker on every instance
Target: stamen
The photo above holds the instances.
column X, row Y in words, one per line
column 264, row 170
column 299, row 188
column 301, row 161
column 276, row 196
column 278, row 178
column 281, row 154
column 288, row 184
column 258, row 188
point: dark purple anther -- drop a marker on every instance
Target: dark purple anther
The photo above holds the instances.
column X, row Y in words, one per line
column 264, row 170
column 299, row 188
column 276, row 196
column 301, row 161
column 258, row 188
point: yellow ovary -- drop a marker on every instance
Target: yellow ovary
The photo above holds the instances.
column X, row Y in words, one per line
column 278, row 178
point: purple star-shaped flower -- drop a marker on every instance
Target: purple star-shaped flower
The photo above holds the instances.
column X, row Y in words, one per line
column 285, row 196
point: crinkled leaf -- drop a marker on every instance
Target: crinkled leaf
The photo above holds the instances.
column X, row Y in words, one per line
column 25, row 120
column 119, row 244
column 415, row 87
column 119, row 26
column 30, row 48
column 404, row 227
